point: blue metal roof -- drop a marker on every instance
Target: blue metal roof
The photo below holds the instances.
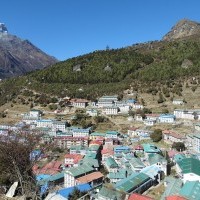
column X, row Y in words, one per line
column 67, row 191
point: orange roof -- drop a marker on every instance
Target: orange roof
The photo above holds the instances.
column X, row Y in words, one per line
column 90, row 177
column 139, row 197
column 174, row 197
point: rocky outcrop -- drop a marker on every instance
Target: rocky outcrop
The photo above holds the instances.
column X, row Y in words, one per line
column 183, row 28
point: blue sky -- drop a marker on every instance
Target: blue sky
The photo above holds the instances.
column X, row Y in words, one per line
column 68, row 28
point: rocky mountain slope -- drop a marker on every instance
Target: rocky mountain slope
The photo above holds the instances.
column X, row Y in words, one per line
column 18, row 56
column 183, row 28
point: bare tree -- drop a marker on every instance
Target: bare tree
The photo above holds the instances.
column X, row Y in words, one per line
column 16, row 161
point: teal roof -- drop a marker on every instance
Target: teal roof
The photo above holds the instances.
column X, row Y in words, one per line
column 112, row 133
column 179, row 157
column 173, row 187
column 151, row 171
column 80, row 170
column 94, row 147
column 155, row 158
column 98, row 134
column 52, row 178
column 91, row 155
column 189, row 165
column 77, row 147
column 111, row 163
column 136, row 163
column 196, row 135
column 191, row 190
column 132, row 182
column 120, row 174
column 90, row 161
column 151, row 148
column 108, row 193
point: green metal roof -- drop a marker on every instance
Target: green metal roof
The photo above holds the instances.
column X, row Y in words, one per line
column 136, row 163
column 179, row 157
column 94, row 147
column 108, row 193
column 98, row 134
column 132, row 182
column 91, row 155
column 112, row 133
column 173, row 187
column 77, row 147
column 52, row 178
column 191, row 190
column 90, row 161
column 189, row 165
column 80, row 170
column 120, row 174
column 155, row 158
column 196, row 135
column 151, row 148
column 110, row 162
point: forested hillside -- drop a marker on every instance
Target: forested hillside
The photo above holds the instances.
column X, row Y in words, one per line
column 151, row 66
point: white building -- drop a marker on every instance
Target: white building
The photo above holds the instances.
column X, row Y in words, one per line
column 138, row 118
column 149, row 122
column 170, row 136
column 44, row 123
column 166, row 118
column 59, row 125
column 137, row 106
column 73, row 173
column 124, row 109
column 188, row 169
column 107, row 101
column 187, row 114
column 178, row 101
column 80, row 132
column 113, row 110
column 32, row 116
column 196, row 142
column 92, row 112
column 79, row 103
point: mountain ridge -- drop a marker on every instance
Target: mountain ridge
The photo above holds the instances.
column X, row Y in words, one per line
column 183, row 28
column 155, row 67
column 18, row 56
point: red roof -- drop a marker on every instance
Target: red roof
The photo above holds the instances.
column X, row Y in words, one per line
column 107, row 151
column 172, row 153
column 96, row 142
column 76, row 157
column 173, row 134
column 139, row 197
column 139, row 147
column 132, row 128
column 174, row 197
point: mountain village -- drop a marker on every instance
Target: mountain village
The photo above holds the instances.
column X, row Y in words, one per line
column 115, row 164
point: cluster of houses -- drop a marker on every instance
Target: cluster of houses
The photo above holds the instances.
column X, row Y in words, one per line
column 111, row 165
column 109, row 105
